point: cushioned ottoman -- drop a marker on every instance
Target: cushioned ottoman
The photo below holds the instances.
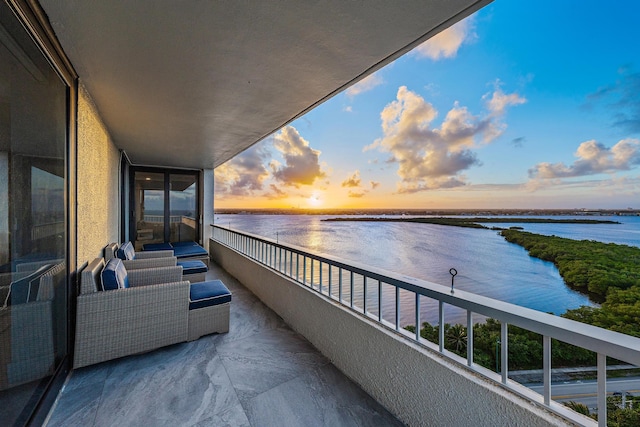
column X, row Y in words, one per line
column 193, row 271
column 209, row 305
column 157, row 247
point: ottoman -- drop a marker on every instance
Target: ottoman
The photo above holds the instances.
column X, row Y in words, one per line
column 193, row 271
column 209, row 305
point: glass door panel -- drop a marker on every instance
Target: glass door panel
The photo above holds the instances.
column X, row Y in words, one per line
column 33, row 219
column 149, row 208
column 183, row 215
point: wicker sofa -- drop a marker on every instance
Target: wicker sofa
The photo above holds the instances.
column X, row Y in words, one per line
column 158, row 308
column 152, row 313
column 27, row 324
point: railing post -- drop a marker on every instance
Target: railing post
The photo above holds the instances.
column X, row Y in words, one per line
column 546, row 369
column 297, row 266
column 602, row 390
column 504, row 351
column 469, row 338
column 304, row 269
column 441, row 325
column 397, row 308
column 340, row 284
column 320, row 281
column 313, row 262
column 351, row 296
column 417, row 317
column 379, row 301
column 364, row 294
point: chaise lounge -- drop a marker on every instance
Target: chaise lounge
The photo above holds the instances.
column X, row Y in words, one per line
column 181, row 250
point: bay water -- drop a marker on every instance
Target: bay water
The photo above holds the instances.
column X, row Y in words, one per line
column 486, row 263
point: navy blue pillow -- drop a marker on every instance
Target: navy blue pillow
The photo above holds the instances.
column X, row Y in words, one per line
column 114, row 275
column 126, row 251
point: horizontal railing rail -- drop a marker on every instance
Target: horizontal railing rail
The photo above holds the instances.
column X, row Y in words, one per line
column 360, row 288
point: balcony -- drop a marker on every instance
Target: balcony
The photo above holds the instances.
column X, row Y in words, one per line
column 353, row 313
column 351, row 362
column 261, row 373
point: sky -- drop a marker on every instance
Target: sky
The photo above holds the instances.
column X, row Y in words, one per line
column 525, row 104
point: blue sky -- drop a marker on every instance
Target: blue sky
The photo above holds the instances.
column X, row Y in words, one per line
column 521, row 105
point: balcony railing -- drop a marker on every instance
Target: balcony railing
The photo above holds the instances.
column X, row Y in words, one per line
column 376, row 294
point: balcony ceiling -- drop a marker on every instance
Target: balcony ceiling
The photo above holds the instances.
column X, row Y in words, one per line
column 193, row 83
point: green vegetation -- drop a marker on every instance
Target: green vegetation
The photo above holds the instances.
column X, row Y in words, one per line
column 608, row 272
column 620, row 412
column 525, row 347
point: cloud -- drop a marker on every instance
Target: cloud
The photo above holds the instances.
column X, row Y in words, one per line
column 354, row 183
column 348, row 109
column 244, row 174
column 357, row 193
column 301, row 166
column 275, row 193
column 352, row 180
column 593, row 158
column 374, row 184
column 365, row 85
column 622, row 98
column 447, row 43
column 497, row 103
column 430, row 157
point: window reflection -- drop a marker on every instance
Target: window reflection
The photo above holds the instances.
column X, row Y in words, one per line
column 32, row 221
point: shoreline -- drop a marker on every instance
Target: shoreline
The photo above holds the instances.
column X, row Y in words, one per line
column 432, row 212
column 476, row 222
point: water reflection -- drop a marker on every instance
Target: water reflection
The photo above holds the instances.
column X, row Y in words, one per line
column 486, row 263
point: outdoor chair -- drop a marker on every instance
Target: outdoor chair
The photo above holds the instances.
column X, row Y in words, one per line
column 123, row 312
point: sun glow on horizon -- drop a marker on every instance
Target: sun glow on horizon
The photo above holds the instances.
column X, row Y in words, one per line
column 315, row 200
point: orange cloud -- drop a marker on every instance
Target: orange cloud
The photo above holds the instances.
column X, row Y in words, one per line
column 301, row 166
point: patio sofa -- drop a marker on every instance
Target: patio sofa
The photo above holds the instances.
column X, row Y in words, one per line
column 27, row 324
column 122, row 312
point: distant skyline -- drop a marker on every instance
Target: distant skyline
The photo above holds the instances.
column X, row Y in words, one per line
column 521, row 105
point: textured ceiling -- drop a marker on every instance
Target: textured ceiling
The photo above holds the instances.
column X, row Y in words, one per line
column 193, row 83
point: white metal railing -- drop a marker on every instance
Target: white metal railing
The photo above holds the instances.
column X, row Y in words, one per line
column 159, row 219
column 360, row 288
column 41, row 231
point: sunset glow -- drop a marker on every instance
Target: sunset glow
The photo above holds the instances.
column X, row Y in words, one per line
column 490, row 113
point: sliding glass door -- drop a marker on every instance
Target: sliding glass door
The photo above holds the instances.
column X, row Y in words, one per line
column 164, row 206
column 183, row 207
column 34, row 223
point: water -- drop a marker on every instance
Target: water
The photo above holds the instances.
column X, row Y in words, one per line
column 486, row 263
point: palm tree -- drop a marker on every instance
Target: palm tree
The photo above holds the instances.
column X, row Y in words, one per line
column 456, row 338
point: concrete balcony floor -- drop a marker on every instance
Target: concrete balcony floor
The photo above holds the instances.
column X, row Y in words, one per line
column 261, row 373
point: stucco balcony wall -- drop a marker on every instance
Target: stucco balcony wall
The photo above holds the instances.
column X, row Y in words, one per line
column 417, row 385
